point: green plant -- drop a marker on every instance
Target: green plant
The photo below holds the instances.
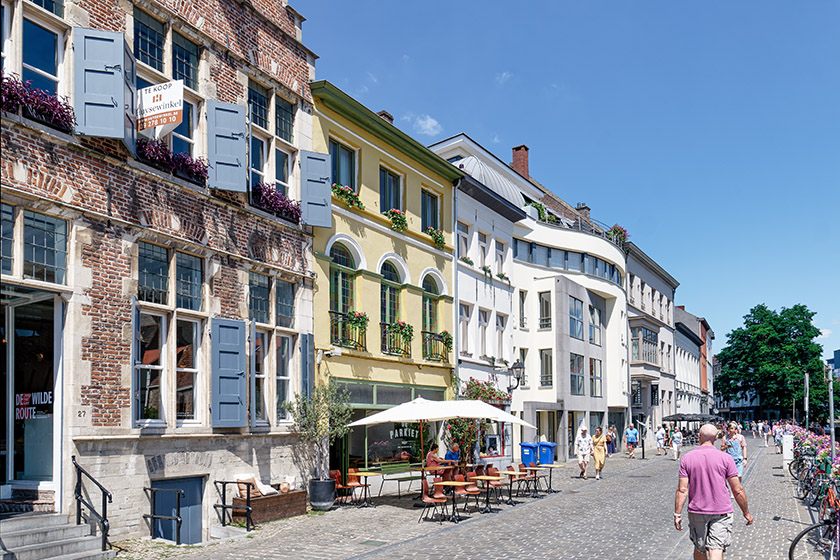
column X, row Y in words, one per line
column 320, row 418
column 488, row 272
column 484, row 391
column 543, row 214
column 437, row 237
column 399, row 221
column 402, row 329
column 446, row 338
column 618, row 233
column 358, row 320
column 466, row 259
column 348, row 195
column 503, row 277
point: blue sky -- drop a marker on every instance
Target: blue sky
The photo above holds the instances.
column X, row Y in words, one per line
column 710, row 130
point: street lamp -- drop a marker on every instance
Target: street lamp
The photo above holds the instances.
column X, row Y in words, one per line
column 517, row 369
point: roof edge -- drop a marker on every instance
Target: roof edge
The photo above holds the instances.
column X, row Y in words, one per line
column 635, row 251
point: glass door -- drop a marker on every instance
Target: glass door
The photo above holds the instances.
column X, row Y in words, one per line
column 29, row 372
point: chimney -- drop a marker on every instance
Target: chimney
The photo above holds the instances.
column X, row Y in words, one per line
column 520, row 160
column 583, row 209
column 386, row 116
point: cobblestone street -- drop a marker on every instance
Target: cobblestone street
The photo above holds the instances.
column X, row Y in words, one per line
column 627, row 515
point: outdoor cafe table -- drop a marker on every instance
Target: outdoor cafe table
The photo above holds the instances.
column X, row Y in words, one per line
column 487, row 479
column 551, row 466
column 510, row 501
column 534, row 470
column 366, row 496
column 454, row 518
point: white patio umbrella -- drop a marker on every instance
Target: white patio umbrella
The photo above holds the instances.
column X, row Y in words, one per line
column 422, row 410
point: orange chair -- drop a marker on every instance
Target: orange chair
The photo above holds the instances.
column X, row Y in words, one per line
column 433, row 503
column 497, row 485
column 342, row 497
column 524, row 477
column 467, row 491
column 354, row 482
column 438, row 488
column 479, row 470
column 538, row 475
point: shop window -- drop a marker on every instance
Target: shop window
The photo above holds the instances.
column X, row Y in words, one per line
column 149, row 364
column 149, row 36
column 184, row 60
column 258, row 297
column 283, row 365
column 576, row 373
column 575, row 318
column 285, row 300
column 546, row 368
column 44, row 248
column 187, row 360
column 596, row 378
column 7, row 228
column 343, row 163
column 153, row 267
column 284, row 116
column 189, row 281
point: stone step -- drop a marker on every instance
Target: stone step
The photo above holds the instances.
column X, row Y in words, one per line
column 98, row 555
column 31, row 521
column 50, row 533
column 26, row 506
column 67, row 547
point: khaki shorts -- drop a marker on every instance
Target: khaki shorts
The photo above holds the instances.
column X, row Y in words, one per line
column 712, row 532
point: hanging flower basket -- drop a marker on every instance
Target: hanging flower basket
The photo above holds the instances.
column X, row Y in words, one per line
column 268, row 198
column 37, row 104
column 437, row 237
column 347, row 195
column 402, row 329
column 399, row 221
column 358, row 320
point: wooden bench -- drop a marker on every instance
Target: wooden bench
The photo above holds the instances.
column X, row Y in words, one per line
column 399, row 468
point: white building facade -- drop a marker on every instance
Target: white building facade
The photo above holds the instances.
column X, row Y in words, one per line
column 691, row 399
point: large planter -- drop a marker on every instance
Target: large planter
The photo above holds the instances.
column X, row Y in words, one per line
column 322, row 493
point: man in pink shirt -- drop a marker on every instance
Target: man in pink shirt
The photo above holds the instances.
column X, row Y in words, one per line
column 704, row 473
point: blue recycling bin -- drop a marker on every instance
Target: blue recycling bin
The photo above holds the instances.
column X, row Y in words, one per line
column 529, row 453
column 547, row 449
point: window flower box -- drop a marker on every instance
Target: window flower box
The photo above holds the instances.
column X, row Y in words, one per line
column 402, row 329
column 399, row 221
column 157, row 154
column 467, row 260
column 503, row 277
column 347, row 195
column 267, row 197
column 37, row 104
column 437, row 237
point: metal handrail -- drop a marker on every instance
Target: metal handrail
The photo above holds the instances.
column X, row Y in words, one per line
column 249, row 525
column 104, row 525
column 153, row 517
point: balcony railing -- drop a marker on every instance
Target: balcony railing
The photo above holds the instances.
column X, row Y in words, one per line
column 345, row 334
column 545, row 322
column 393, row 343
column 433, row 347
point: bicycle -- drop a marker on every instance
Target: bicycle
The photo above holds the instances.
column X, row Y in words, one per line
column 822, row 535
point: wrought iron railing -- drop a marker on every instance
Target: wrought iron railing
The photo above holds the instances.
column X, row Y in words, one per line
column 545, row 322
column 590, row 226
column 394, row 344
column 434, row 348
column 79, row 494
column 225, row 507
column 345, row 334
column 152, row 516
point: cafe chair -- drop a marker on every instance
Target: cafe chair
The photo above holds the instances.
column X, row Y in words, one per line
column 433, row 503
column 471, row 490
column 497, row 485
column 539, row 476
column 341, row 490
column 354, row 481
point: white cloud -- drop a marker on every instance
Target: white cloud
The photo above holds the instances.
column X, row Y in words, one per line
column 496, row 139
column 503, row 77
column 824, row 333
column 372, row 78
column 427, row 125
column 406, row 58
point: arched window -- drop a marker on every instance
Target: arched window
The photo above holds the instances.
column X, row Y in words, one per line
column 430, row 303
column 389, row 293
column 341, row 279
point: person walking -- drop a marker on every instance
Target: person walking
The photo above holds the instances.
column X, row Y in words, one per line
column 660, row 440
column 612, row 440
column 599, row 451
column 583, row 450
column 703, row 476
column 631, row 437
column 778, row 432
column 676, row 444
column 735, row 446
column 753, row 428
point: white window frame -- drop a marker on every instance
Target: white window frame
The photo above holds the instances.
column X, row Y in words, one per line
column 6, row 35
column 258, row 135
column 545, row 320
column 500, row 257
column 546, row 378
column 501, row 323
column 483, row 321
column 464, row 313
column 289, row 167
column 195, row 370
column 135, row 386
column 523, row 309
column 483, row 247
column 463, row 230
column 260, row 380
column 50, row 22
column 287, row 379
column 595, row 334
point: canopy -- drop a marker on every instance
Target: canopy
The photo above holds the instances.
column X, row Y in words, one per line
column 422, row 410
column 674, row 418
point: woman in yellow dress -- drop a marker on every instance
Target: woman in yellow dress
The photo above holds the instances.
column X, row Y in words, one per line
column 599, row 451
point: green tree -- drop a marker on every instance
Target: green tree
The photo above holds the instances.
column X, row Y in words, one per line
column 321, row 418
column 769, row 355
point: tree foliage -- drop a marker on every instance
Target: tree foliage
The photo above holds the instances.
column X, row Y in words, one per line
column 321, row 418
column 769, row 355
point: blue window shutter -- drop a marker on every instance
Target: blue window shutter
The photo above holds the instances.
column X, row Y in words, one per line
column 130, row 100
column 99, row 95
column 253, row 344
column 315, row 189
column 226, row 146
column 307, row 364
column 228, row 392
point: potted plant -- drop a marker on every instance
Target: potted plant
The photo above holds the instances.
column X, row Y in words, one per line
column 399, row 222
column 358, row 320
column 267, row 197
column 347, row 195
column 466, row 259
column 488, row 272
column 618, row 234
column 437, row 237
column 503, row 277
column 320, row 419
column 40, row 105
column 403, row 330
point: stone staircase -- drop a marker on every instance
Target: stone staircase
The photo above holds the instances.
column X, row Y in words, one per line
column 37, row 536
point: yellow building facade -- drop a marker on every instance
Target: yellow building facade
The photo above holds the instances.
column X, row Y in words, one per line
column 366, row 264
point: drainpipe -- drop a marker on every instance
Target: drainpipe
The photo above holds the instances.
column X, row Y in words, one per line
column 456, row 331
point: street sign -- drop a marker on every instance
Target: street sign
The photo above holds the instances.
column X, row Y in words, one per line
column 160, row 107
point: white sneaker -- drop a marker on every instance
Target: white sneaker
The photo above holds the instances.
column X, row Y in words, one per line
column 597, row 477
